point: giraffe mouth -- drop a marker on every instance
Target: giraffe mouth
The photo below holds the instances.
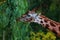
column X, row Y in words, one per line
column 24, row 19
column 29, row 20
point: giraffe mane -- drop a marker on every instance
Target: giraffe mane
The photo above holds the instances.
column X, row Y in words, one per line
column 50, row 19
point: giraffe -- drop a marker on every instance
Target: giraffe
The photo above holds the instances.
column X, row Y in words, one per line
column 32, row 16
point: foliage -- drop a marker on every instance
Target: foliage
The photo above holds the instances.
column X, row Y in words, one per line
column 10, row 10
column 42, row 36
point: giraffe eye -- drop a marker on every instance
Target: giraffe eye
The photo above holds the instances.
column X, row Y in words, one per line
column 28, row 15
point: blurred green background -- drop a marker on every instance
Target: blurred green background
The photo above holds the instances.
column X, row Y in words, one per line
column 10, row 10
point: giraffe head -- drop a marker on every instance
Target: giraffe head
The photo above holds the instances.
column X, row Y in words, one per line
column 31, row 16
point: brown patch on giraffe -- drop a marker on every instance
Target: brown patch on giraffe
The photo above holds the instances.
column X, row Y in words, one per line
column 56, row 23
column 46, row 26
column 42, row 24
column 45, row 20
column 52, row 24
column 41, row 21
column 59, row 28
column 40, row 18
column 53, row 30
column 58, row 35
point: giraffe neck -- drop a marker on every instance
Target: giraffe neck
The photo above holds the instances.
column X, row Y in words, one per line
column 48, row 23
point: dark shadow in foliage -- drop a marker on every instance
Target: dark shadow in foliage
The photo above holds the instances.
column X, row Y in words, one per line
column 54, row 15
column 45, row 5
column 37, row 27
column 33, row 4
